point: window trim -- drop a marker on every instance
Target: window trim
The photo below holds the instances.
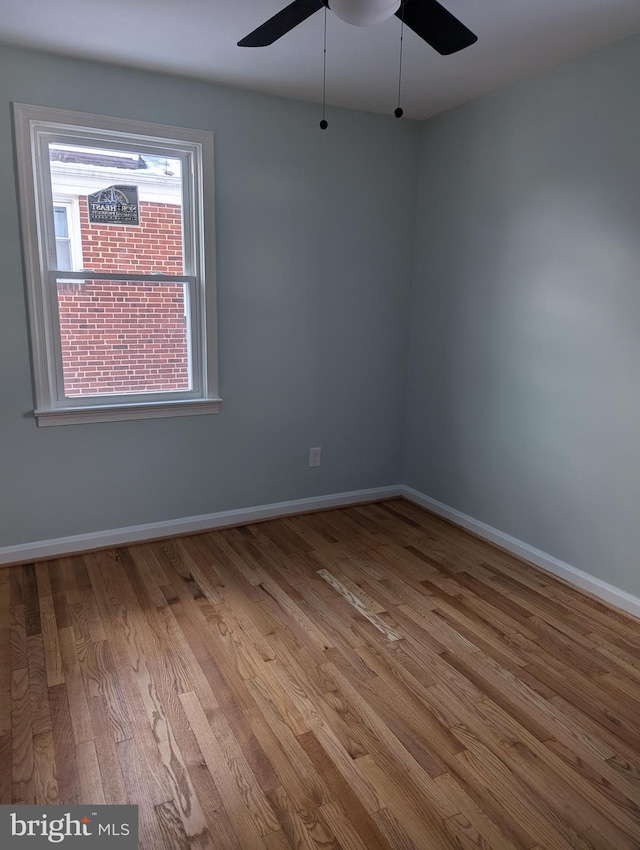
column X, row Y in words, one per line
column 31, row 124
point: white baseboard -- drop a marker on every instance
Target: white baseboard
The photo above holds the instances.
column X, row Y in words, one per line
column 55, row 547
column 602, row 589
column 43, row 549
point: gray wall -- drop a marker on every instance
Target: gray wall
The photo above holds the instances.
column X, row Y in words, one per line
column 524, row 379
column 315, row 255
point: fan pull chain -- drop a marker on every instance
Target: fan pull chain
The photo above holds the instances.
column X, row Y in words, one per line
column 324, row 123
column 399, row 112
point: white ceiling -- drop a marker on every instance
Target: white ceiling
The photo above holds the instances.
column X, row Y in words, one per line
column 198, row 38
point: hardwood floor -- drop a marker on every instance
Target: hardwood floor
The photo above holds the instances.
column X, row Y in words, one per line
column 365, row 678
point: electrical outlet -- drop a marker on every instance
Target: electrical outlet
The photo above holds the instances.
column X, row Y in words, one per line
column 315, row 456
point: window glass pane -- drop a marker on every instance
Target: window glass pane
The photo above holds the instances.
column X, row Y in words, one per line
column 123, row 337
column 130, row 207
column 61, row 221
column 63, row 253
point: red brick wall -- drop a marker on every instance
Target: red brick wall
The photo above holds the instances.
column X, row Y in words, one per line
column 126, row 337
column 152, row 246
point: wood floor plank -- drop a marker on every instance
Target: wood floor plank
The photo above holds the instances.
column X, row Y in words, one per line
column 18, row 639
column 292, row 608
column 339, row 745
column 70, row 791
column 76, row 692
column 45, row 780
column 484, row 826
column 422, row 824
column 532, row 815
column 5, row 658
column 111, row 778
column 30, row 596
column 55, row 675
column 247, row 761
column 365, row 678
column 171, row 826
column 42, row 579
column 360, row 606
column 22, row 761
column 594, row 791
column 242, row 797
column 89, row 773
column 180, row 660
column 163, row 773
column 351, row 807
column 398, row 759
column 174, row 773
column 59, row 594
column 134, row 774
column 292, row 765
column 90, row 608
column 395, row 835
column 224, row 679
column 102, row 681
column 277, row 841
column 568, row 806
column 6, row 789
column 304, row 828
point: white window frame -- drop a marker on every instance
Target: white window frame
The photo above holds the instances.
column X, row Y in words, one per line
column 35, row 128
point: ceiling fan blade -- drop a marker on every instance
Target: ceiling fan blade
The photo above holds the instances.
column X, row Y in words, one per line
column 437, row 26
column 285, row 20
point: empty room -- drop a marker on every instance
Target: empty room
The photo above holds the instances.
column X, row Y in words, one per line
column 320, row 459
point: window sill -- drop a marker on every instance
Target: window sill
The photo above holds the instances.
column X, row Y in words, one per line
column 116, row 412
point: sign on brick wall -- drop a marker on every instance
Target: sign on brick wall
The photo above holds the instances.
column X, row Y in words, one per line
column 114, row 205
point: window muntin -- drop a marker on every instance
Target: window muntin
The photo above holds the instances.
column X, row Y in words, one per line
column 69, row 161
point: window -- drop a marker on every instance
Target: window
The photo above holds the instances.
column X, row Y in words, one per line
column 63, row 239
column 66, row 224
column 118, row 241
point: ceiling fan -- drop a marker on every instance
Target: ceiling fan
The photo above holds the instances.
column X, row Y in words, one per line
column 427, row 18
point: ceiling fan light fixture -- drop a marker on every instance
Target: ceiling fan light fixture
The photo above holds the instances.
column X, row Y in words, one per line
column 364, row 13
